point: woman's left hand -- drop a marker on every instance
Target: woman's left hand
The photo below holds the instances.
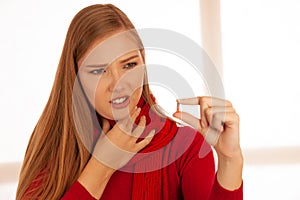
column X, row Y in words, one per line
column 218, row 123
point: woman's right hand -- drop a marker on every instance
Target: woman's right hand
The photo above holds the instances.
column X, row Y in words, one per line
column 117, row 146
column 112, row 151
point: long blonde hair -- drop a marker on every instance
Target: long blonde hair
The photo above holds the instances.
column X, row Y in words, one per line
column 55, row 155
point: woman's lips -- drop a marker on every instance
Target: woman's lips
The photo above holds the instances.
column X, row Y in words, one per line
column 120, row 102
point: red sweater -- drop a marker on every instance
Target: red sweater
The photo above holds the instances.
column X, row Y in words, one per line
column 189, row 177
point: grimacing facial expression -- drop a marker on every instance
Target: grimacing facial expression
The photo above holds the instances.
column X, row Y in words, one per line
column 112, row 74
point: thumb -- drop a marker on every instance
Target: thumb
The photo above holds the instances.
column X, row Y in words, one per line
column 189, row 119
column 210, row 135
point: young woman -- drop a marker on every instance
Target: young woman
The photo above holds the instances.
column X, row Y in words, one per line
column 102, row 136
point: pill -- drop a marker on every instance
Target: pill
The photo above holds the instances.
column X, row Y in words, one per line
column 178, row 107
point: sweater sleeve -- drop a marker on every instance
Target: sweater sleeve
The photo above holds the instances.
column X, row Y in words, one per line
column 77, row 192
column 198, row 179
column 218, row 192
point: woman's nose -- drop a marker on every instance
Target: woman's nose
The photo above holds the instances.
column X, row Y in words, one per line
column 115, row 81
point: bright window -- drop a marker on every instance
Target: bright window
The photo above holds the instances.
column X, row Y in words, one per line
column 261, row 46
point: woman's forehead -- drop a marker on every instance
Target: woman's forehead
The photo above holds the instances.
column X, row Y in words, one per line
column 111, row 48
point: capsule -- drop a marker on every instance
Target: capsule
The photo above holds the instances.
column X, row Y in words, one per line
column 178, row 107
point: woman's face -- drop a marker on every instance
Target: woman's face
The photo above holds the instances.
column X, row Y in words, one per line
column 112, row 74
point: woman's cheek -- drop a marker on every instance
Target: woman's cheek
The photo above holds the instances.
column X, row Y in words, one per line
column 136, row 77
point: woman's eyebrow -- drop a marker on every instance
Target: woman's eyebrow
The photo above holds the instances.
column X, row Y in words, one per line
column 97, row 65
column 127, row 59
column 104, row 65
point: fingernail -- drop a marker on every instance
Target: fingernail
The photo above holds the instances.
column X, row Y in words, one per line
column 151, row 133
column 177, row 115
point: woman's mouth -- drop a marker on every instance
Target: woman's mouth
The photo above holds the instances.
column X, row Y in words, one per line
column 120, row 102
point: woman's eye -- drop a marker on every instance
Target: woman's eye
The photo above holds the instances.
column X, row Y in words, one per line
column 98, row 71
column 130, row 65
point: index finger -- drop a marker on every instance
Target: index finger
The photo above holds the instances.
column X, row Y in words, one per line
column 126, row 124
column 204, row 102
column 189, row 101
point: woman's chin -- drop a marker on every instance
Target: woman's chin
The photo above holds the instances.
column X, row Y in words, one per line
column 119, row 114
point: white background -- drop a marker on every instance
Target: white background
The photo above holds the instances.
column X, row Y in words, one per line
column 261, row 41
column 261, row 45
